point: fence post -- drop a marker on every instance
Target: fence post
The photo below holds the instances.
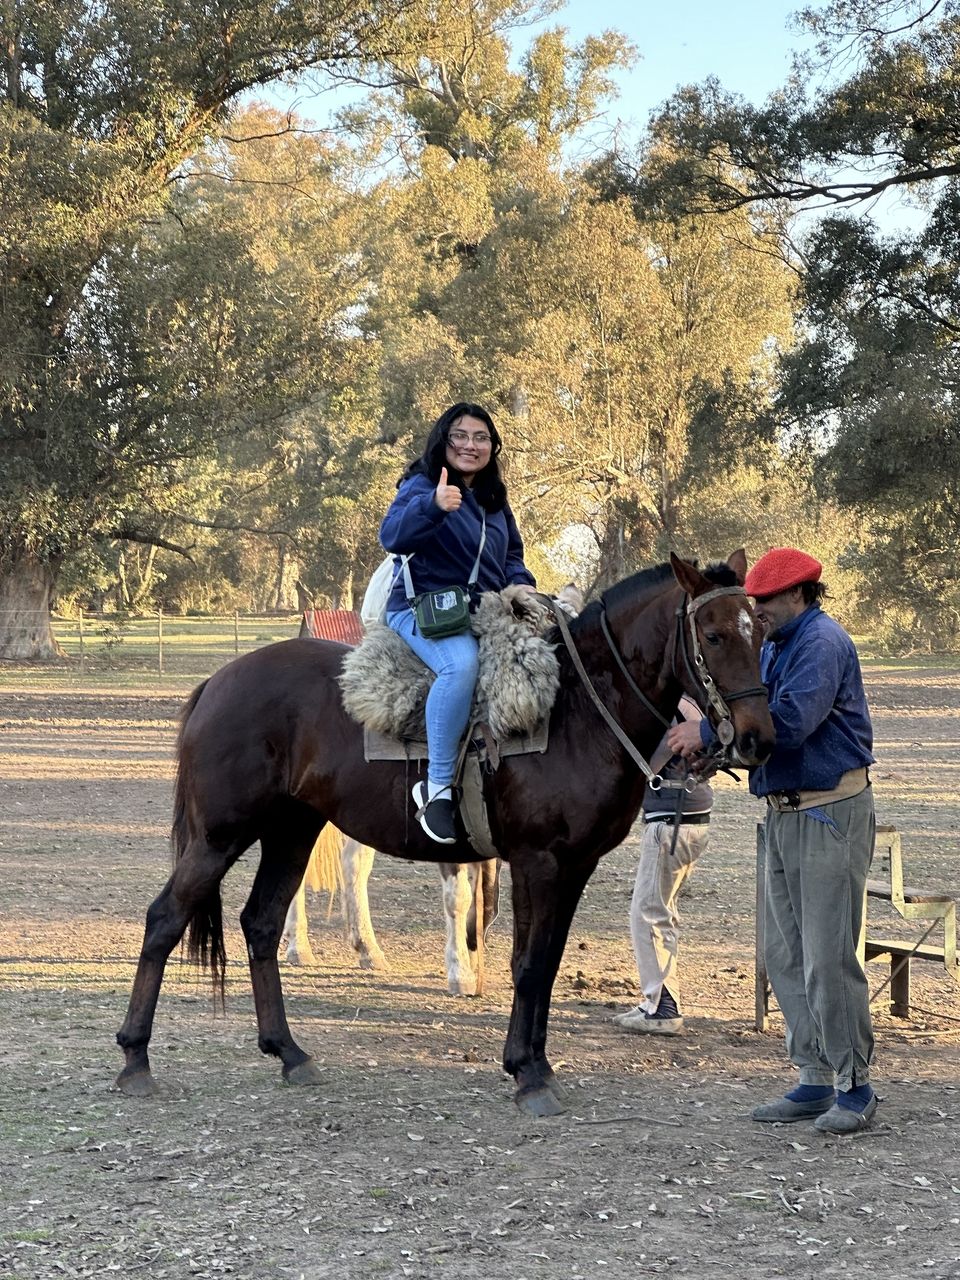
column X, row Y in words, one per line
column 82, row 654
column 160, row 643
column 236, row 631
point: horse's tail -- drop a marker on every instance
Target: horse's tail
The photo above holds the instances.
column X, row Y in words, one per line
column 324, row 871
column 178, row 832
column 205, row 945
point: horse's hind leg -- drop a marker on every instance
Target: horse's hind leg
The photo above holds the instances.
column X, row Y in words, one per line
column 283, row 860
column 356, row 860
column 191, row 893
column 484, row 909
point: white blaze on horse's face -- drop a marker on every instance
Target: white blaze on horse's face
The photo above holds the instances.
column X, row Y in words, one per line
column 745, row 625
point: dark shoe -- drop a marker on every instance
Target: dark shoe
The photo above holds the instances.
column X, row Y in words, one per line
column 786, row 1111
column 438, row 817
column 844, row 1120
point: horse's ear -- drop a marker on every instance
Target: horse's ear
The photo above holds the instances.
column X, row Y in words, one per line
column 689, row 576
column 738, row 563
column 572, row 597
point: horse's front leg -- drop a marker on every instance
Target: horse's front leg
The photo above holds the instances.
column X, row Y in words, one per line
column 545, row 898
column 283, row 860
column 457, row 892
column 356, row 860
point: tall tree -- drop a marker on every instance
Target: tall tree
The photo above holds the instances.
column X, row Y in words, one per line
column 874, row 109
column 477, row 131
column 871, row 388
column 100, row 106
column 603, row 336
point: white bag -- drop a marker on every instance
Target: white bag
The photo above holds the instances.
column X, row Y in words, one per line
column 374, row 607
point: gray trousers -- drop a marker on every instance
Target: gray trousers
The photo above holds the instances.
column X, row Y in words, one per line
column 817, row 865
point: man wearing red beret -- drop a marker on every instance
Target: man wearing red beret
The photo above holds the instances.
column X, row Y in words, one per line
column 819, row 831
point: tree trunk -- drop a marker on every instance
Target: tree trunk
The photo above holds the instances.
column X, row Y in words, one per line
column 26, row 595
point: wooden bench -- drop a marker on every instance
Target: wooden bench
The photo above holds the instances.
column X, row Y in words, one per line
column 935, row 906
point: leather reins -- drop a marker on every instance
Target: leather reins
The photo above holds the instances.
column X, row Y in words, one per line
column 705, row 687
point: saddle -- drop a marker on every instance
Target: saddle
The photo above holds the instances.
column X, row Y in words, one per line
column 384, row 686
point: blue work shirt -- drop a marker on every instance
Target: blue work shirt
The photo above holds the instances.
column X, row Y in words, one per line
column 817, row 704
column 444, row 544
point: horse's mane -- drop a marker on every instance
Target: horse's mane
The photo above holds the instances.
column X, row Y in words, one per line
column 647, row 581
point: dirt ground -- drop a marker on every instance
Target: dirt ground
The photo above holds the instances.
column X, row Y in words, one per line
column 410, row 1158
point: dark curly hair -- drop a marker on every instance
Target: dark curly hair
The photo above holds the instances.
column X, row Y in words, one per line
column 488, row 487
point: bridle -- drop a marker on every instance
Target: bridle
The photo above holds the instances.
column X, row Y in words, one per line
column 696, row 665
column 704, row 685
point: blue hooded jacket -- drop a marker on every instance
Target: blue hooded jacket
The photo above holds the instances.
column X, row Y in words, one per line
column 444, row 544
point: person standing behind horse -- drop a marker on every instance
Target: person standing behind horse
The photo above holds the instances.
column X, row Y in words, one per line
column 668, row 854
column 819, row 834
column 452, row 518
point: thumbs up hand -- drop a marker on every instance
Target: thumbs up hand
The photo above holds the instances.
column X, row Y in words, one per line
column 448, row 496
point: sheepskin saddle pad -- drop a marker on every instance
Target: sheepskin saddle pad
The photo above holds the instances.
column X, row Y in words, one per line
column 385, row 685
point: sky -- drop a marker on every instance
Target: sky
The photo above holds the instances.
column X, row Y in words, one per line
column 746, row 44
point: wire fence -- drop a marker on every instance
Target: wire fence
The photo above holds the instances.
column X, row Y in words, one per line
column 114, row 646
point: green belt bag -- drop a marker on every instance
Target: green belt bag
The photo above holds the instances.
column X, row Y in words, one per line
column 442, row 613
column 445, row 612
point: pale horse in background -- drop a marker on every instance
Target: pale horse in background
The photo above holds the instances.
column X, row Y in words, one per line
column 470, row 892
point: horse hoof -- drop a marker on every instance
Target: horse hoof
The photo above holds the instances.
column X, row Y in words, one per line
column 306, row 1072
column 463, row 987
column 138, row 1084
column 375, row 960
column 539, row 1102
column 558, row 1091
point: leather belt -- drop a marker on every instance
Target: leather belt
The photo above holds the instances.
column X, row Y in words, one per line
column 688, row 820
column 851, row 784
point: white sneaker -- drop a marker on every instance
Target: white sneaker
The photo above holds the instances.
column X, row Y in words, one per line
column 637, row 1020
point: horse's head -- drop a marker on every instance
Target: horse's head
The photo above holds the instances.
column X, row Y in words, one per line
column 718, row 658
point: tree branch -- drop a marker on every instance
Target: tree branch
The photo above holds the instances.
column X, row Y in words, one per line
column 127, row 534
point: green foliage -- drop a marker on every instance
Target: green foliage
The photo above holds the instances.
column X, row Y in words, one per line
column 112, row 632
column 827, row 141
column 870, row 388
column 228, row 333
column 127, row 344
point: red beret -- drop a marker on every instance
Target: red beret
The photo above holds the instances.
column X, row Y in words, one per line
column 779, row 570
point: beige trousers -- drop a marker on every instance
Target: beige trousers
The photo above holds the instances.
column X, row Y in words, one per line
column 654, row 918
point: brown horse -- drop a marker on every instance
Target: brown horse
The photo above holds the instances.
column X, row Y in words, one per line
column 267, row 752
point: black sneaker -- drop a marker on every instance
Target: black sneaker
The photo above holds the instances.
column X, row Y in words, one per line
column 438, row 817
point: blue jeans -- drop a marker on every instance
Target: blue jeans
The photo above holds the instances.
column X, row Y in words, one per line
column 455, row 661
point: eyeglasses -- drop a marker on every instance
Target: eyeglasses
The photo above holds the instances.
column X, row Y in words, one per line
column 464, row 437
